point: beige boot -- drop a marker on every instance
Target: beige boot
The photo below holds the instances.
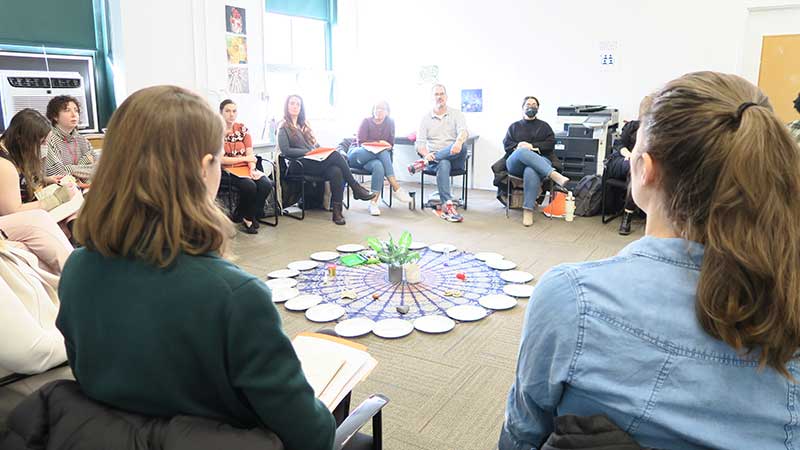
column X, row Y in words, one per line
column 527, row 217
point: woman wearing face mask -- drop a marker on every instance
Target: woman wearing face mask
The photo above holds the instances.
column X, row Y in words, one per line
column 22, row 217
column 699, row 350
column 529, row 144
column 69, row 153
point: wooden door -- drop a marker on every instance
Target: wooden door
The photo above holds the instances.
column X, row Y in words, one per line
column 779, row 73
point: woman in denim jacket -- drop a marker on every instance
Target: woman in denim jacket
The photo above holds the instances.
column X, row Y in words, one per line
column 698, row 350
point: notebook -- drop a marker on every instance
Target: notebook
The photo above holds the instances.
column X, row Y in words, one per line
column 319, row 153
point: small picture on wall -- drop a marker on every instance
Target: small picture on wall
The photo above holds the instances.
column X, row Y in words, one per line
column 237, row 49
column 235, row 20
column 472, row 100
column 238, row 80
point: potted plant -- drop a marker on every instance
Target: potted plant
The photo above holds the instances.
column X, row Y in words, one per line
column 394, row 254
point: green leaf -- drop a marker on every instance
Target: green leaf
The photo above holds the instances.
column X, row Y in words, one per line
column 405, row 240
column 375, row 244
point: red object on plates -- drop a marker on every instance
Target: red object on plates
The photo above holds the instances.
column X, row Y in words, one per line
column 461, row 276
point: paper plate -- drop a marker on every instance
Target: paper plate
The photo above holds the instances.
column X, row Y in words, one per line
column 441, row 248
column 283, row 273
column 303, row 265
column 393, row 328
column 354, row 327
column 486, row 256
column 516, row 276
column 417, row 245
column 303, row 302
column 518, row 290
column 498, row 301
column 281, row 295
column 326, row 312
column 466, row 313
column 324, row 256
column 280, row 283
column 350, row 248
column 501, row 264
column 434, row 324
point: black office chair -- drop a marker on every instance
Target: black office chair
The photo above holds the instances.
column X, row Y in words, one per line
column 293, row 170
column 366, row 173
column 608, row 186
column 228, row 194
column 453, row 173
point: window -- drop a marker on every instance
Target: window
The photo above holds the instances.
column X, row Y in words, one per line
column 295, row 53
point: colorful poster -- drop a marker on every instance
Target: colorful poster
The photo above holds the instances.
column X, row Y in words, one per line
column 472, row 100
column 235, row 21
column 237, row 49
column 238, row 80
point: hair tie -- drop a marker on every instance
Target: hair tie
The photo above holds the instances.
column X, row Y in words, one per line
column 741, row 110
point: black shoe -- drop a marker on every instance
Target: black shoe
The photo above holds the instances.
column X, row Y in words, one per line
column 360, row 193
column 625, row 225
column 252, row 229
column 337, row 216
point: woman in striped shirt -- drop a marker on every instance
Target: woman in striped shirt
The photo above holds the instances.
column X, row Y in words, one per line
column 68, row 153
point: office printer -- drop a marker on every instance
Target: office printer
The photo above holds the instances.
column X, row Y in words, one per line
column 583, row 137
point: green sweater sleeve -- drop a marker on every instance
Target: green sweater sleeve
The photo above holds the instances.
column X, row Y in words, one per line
column 265, row 368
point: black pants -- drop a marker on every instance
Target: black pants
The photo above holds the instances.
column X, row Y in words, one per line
column 252, row 194
column 620, row 169
column 335, row 170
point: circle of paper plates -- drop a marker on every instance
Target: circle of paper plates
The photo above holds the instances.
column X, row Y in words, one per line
column 354, row 327
column 281, row 295
column 324, row 256
column 283, row 273
column 486, row 256
column 350, row 248
column 518, row 290
column 466, row 313
column 501, row 264
column 434, row 324
column 516, row 276
column 303, row 265
column 393, row 328
column 417, row 245
column 326, row 312
column 279, row 283
column 441, row 248
column 303, row 302
column 498, row 302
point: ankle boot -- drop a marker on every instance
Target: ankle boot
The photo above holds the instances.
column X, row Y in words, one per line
column 338, row 218
column 361, row 193
column 527, row 217
column 625, row 225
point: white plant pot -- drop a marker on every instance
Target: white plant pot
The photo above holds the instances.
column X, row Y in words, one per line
column 413, row 273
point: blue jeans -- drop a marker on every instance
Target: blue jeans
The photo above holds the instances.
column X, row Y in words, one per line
column 379, row 165
column 444, row 164
column 532, row 168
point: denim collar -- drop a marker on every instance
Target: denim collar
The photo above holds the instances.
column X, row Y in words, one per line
column 677, row 251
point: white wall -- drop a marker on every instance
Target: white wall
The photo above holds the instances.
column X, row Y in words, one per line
column 548, row 49
column 764, row 19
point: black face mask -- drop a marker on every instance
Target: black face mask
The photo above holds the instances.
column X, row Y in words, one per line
column 531, row 112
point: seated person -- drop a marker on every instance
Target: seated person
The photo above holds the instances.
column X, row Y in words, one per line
column 619, row 167
column 794, row 126
column 296, row 138
column 185, row 331
column 22, row 217
column 440, row 143
column 30, row 343
column 697, row 349
column 252, row 184
column 377, row 129
column 68, row 152
column 529, row 144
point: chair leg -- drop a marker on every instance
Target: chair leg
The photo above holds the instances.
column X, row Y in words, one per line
column 465, row 189
column 508, row 195
column 274, row 223
column 377, row 431
column 301, row 201
column 421, row 190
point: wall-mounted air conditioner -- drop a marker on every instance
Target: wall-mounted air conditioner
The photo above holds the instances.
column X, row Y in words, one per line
column 20, row 89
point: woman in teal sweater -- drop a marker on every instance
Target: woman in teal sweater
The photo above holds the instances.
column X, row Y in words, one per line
column 155, row 321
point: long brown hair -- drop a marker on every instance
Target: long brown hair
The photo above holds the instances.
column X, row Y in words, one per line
column 22, row 139
column 302, row 125
column 148, row 199
column 730, row 174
